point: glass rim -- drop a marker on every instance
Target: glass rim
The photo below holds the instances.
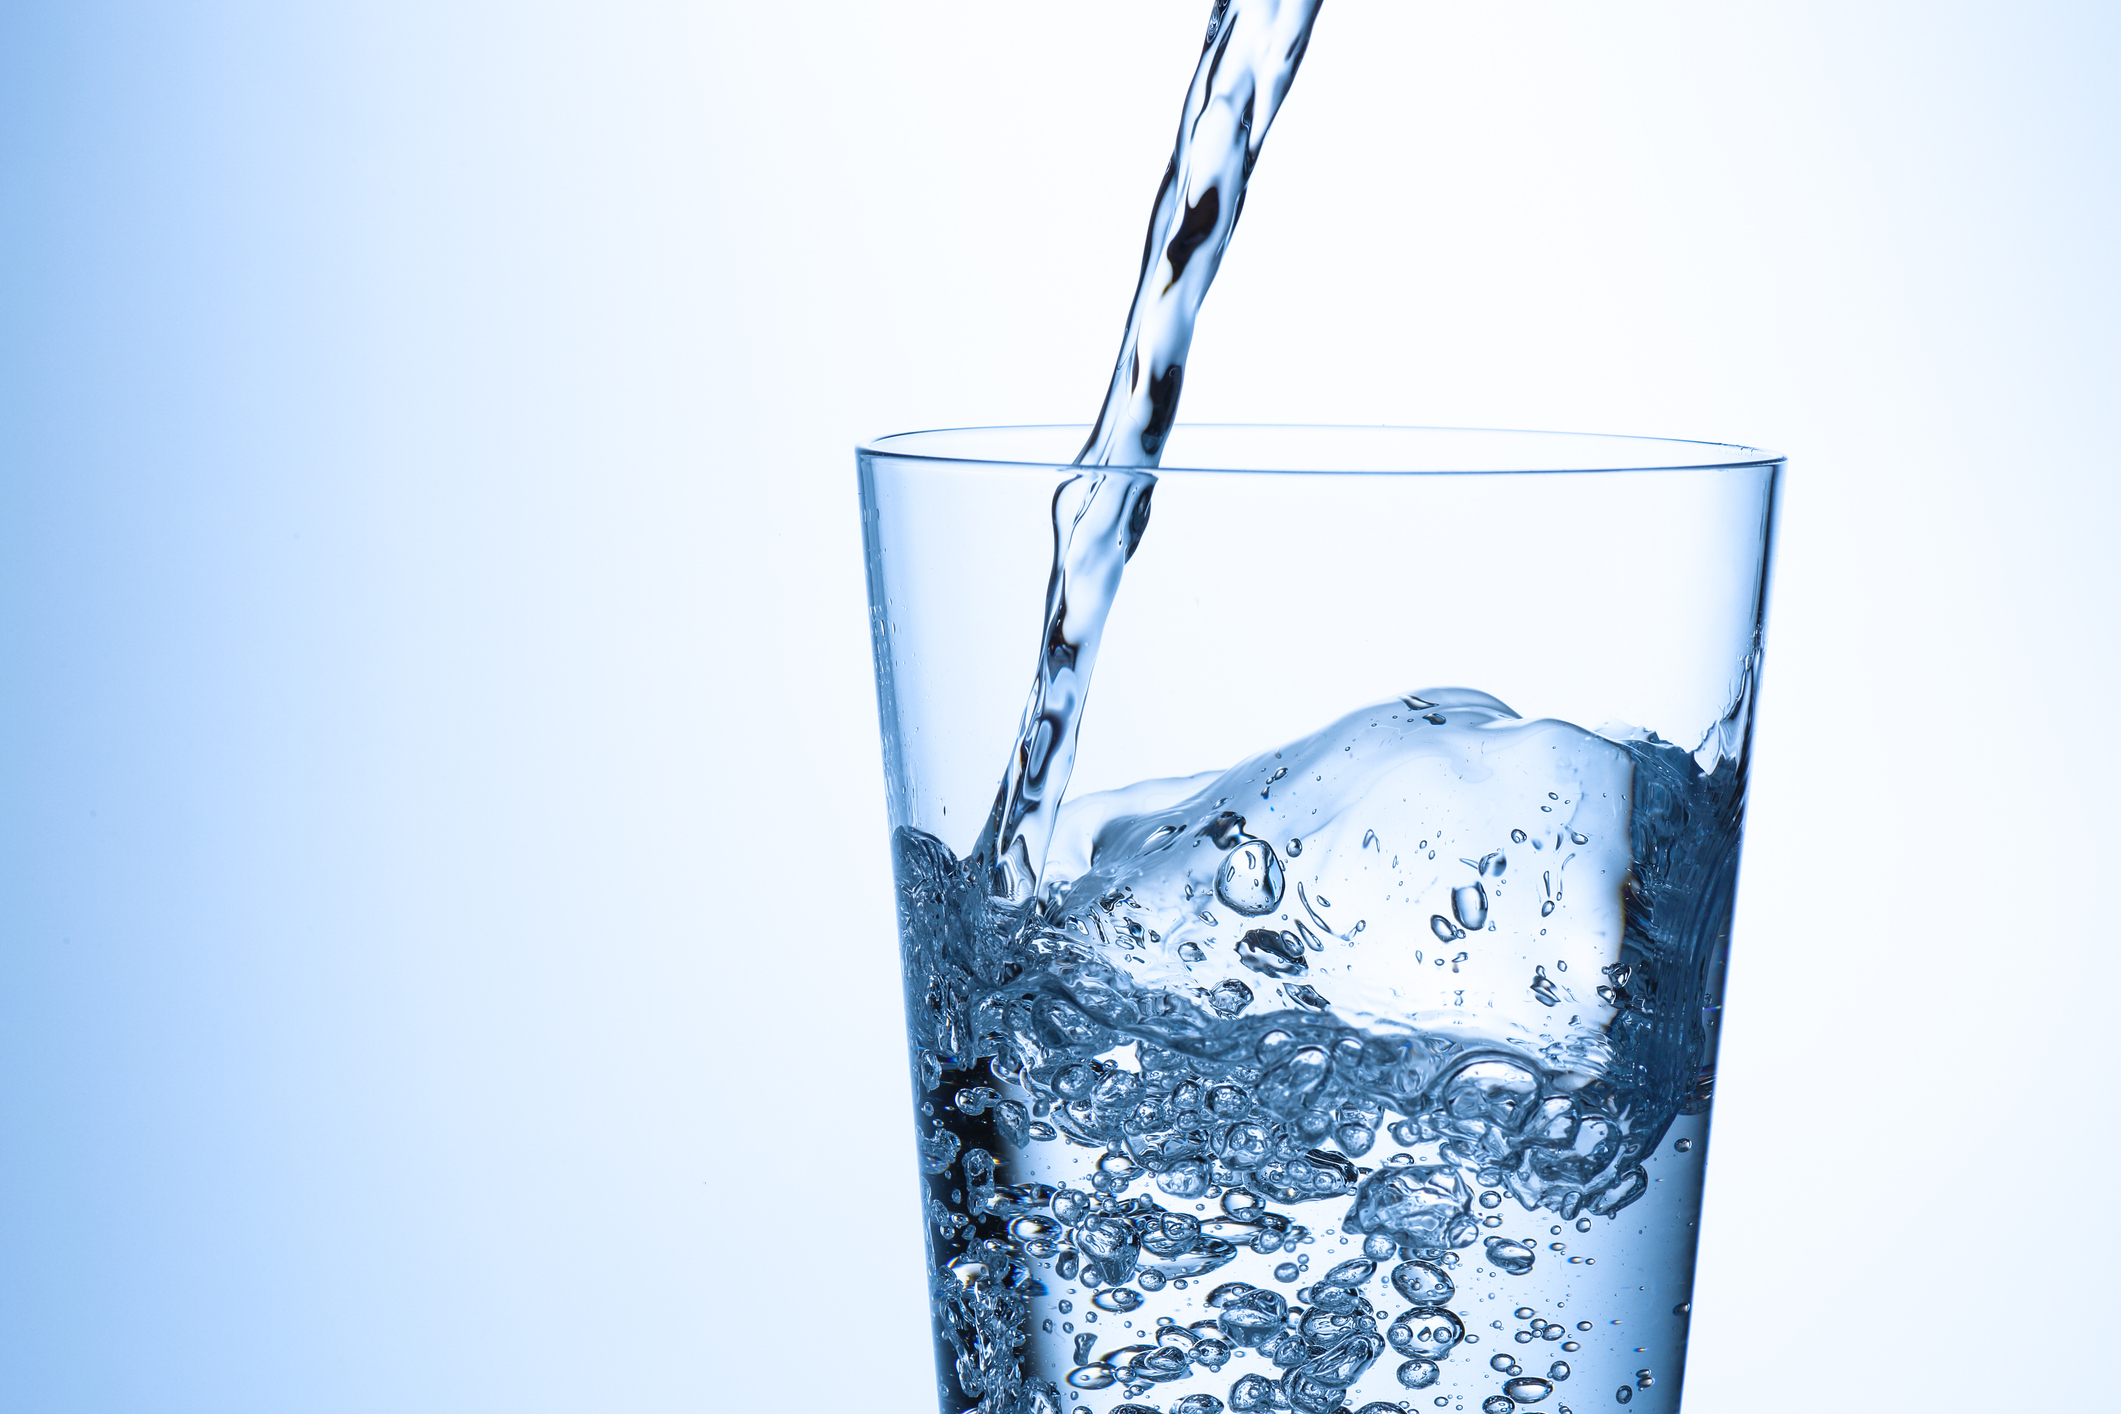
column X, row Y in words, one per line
column 1680, row 454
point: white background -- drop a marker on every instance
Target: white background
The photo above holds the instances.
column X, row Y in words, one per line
column 445, row 955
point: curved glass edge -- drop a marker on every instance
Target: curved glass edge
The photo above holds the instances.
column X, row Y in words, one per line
column 1641, row 454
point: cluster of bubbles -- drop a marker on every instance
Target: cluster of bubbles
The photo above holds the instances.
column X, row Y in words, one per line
column 1039, row 1052
column 1283, row 1105
column 1320, row 1346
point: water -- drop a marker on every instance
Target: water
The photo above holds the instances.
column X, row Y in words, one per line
column 1248, row 60
column 1339, row 1075
column 1218, row 1104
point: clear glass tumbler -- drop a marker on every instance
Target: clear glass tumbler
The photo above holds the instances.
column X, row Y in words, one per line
column 1354, row 1050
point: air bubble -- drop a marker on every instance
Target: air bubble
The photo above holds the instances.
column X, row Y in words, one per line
column 1491, row 1199
column 1430, row 1335
column 1115, row 1170
column 1517, row 837
column 1419, row 1374
column 1119, row 1298
column 1500, row 1362
column 1470, row 906
column 1351, row 1273
column 1624, row 1393
column 1497, row 1404
column 1528, row 1389
column 1559, row 1370
column 1250, row 880
column 1524, row 1313
column 1423, row 1284
column 1583, row 1224
column 1092, row 1377
column 1229, row 998
column 1682, row 1145
column 1444, row 929
column 1332, row 1318
column 938, row 1151
column 1287, row 1271
column 1511, row 1256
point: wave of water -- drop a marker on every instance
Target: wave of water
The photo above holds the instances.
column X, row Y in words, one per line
column 1432, row 954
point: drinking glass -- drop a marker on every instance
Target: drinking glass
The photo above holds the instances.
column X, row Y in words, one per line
column 1356, row 1047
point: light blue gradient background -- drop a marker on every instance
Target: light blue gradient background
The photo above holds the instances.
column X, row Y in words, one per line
column 435, row 732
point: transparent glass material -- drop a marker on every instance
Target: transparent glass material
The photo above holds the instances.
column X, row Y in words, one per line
column 1358, row 1044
